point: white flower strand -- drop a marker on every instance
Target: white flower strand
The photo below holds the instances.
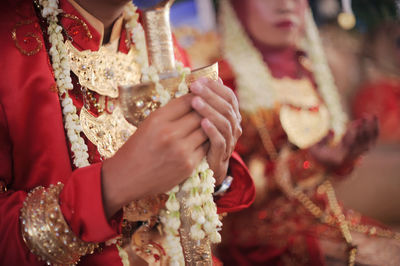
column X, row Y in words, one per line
column 324, row 78
column 204, row 209
column 61, row 68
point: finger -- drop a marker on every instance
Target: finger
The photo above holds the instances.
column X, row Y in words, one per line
column 197, row 138
column 224, row 92
column 217, row 141
column 176, row 108
column 200, row 153
column 372, row 124
column 351, row 134
column 188, row 123
column 217, row 102
column 220, row 122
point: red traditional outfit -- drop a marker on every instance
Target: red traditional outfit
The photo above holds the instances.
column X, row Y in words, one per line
column 290, row 216
column 34, row 148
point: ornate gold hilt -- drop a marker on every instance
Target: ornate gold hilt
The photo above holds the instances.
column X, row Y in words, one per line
column 138, row 101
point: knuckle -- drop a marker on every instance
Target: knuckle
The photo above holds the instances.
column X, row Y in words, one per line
column 166, row 136
column 187, row 165
column 180, row 152
column 239, row 131
column 154, row 119
column 229, row 112
column 227, row 128
column 231, row 97
column 220, row 143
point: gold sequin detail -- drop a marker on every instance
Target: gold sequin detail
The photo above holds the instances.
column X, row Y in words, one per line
column 45, row 231
column 79, row 21
column 31, row 35
column 104, row 70
column 108, row 131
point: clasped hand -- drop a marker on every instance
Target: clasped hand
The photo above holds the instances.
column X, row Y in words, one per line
column 171, row 142
column 361, row 134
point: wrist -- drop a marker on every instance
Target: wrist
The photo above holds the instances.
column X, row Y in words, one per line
column 113, row 187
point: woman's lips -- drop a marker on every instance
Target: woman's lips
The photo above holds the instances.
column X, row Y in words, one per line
column 285, row 24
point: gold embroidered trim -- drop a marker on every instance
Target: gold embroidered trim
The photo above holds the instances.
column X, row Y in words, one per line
column 45, row 231
column 33, row 35
column 81, row 22
column 104, row 70
column 108, row 131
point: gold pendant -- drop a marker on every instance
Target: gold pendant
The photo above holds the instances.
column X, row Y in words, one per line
column 108, row 131
column 299, row 92
column 305, row 128
column 104, row 70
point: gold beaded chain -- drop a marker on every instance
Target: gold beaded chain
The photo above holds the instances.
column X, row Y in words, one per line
column 301, row 197
column 339, row 219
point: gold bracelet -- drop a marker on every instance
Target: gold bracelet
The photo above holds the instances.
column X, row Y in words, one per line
column 45, row 231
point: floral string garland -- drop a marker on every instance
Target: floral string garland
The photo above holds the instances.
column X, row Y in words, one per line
column 200, row 185
column 61, row 68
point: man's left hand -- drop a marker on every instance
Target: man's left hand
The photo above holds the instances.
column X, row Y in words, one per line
column 218, row 106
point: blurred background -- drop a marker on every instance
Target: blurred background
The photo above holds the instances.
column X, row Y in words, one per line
column 362, row 43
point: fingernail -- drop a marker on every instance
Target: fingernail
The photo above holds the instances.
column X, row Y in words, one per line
column 206, row 123
column 198, row 102
column 203, row 80
column 196, row 87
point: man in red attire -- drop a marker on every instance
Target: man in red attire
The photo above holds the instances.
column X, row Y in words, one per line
column 60, row 221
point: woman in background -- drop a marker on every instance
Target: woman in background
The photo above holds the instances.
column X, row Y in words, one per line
column 374, row 186
column 296, row 140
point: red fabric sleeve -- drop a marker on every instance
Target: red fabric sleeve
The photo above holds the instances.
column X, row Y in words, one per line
column 11, row 242
column 82, row 205
column 241, row 194
column 33, row 146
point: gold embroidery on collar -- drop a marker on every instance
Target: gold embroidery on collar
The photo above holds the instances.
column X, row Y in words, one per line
column 103, row 71
column 79, row 21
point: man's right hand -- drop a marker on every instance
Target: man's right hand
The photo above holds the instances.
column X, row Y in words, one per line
column 162, row 153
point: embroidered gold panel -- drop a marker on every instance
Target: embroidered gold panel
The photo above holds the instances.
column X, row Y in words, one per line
column 108, row 131
column 104, row 70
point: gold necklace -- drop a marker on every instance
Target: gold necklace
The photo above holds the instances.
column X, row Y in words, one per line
column 282, row 177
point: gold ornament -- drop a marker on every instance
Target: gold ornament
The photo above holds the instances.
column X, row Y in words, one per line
column 108, row 131
column 346, row 20
column 303, row 116
column 104, row 70
column 304, row 128
column 45, row 231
